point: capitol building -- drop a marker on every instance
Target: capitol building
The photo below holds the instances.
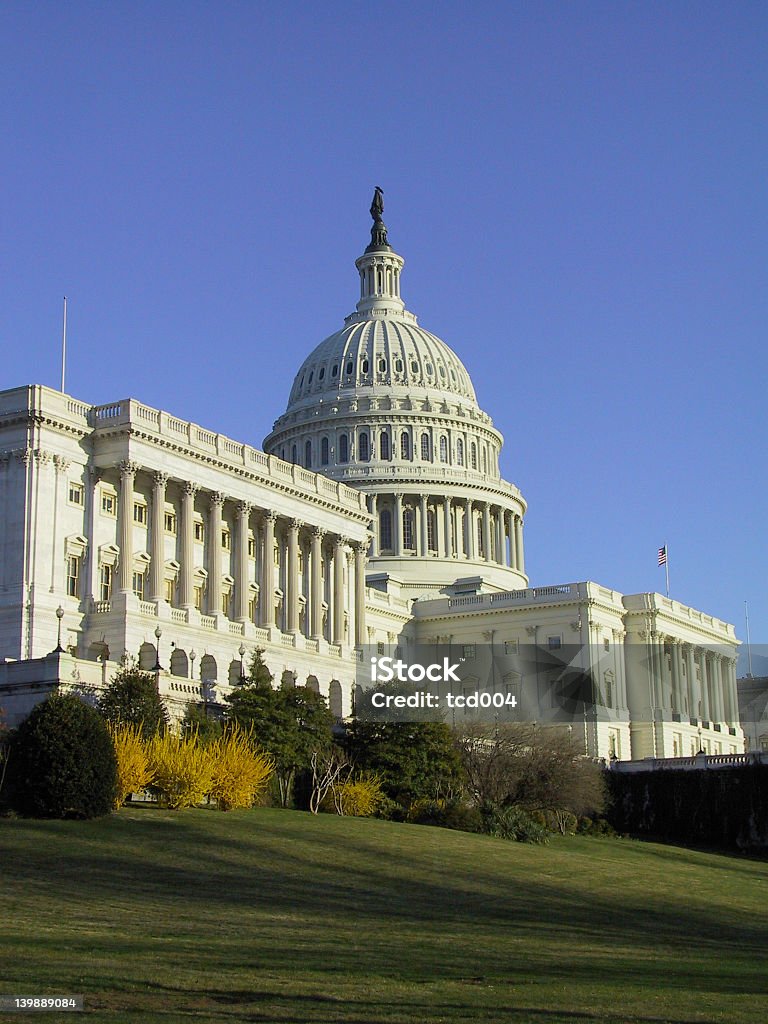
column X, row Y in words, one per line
column 374, row 519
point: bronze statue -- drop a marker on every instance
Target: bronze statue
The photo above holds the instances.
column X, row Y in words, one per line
column 377, row 206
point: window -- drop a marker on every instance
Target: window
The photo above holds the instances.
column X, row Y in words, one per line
column 511, row 646
column 199, row 531
column 311, row 375
column 73, row 575
column 431, row 538
column 321, row 374
column 364, row 366
column 382, row 366
column 335, row 370
column 468, row 652
column 554, row 643
column 379, row 648
column 414, row 366
column 363, row 447
column 225, row 603
column 459, row 452
column 343, row 448
column 606, row 644
column 428, row 368
column 170, row 591
column 443, row 448
column 105, row 582
column 324, row 459
column 473, row 455
column 307, row 455
column 408, row 539
column 398, row 366
column 350, row 367
column 252, row 607
column 138, row 585
column 276, row 554
column 384, row 447
column 108, row 503
column 300, row 561
column 140, row 513
column 198, row 597
column 170, row 522
column 76, row 494
column 385, row 530
column 251, row 545
column 480, row 539
column 294, row 454
column 226, row 538
column 405, row 447
column 425, row 447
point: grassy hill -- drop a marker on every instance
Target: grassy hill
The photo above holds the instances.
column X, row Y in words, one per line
column 279, row 916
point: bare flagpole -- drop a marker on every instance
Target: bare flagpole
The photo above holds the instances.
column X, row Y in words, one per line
column 749, row 645
column 64, row 344
column 666, row 566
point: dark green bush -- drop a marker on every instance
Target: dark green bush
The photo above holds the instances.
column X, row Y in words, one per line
column 446, row 814
column 62, row 763
column 595, row 827
column 513, row 823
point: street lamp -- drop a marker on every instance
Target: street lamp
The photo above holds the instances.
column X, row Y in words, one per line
column 192, row 656
column 59, row 615
column 241, row 652
column 158, row 634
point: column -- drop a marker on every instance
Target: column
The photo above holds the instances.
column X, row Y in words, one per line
column 519, row 543
column 316, row 596
column 706, row 713
column 665, row 690
column 157, row 539
column 717, row 686
column 501, row 547
column 338, row 590
column 469, row 532
column 125, row 527
column 214, row 553
column 374, row 525
column 360, row 631
column 448, row 542
column 486, row 531
column 677, row 669
column 732, row 712
column 242, row 516
column 292, row 578
column 267, row 600
column 186, row 596
column 424, row 535
column 397, row 525
column 694, row 695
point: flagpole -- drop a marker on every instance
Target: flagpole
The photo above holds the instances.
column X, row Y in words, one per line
column 64, row 344
column 666, row 566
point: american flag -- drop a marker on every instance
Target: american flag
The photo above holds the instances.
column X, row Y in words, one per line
column 663, row 555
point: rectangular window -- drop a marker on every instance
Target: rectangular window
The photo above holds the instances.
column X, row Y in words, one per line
column 554, row 643
column 252, row 608
column 277, row 555
column 226, row 539
column 301, row 561
column 169, row 521
column 76, row 494
column 225, row 603
column 468, row 652
column 170, row 590
column 108, row 503
column 379, row 648
column 198, row 597
column 199, row 531
column 606, row 644
column 140, row 513
column 511, row 646
column 105, row 582
column 73, row 575
column 251, row 546
column 138, row 585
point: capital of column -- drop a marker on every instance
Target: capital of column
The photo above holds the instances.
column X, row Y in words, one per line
column 61, row 462
column 294, row 525
column 269, row 516
column 243, row 509
column 190, row 488
column 318, row 533
column 215, row 498
column 160, row 479
column 128, row 468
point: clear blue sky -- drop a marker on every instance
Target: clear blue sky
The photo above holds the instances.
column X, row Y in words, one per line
column 578, row 190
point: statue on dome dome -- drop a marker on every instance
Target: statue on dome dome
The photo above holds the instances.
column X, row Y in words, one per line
column 377, row 206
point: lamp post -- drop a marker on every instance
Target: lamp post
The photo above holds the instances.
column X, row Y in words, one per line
column 158, row 635
column 59, row 615
column 192, row 656
column 241, row 652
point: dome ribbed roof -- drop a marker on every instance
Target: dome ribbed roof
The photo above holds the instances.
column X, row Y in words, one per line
column 383, row 353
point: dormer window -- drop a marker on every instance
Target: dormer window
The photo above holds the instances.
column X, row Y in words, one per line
column 321, row 374
column 350, row 367
column 311, row 375
column 364, row 366
column 414, row 366
column 382, row 366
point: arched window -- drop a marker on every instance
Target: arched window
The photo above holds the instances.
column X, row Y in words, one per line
column 350, row 367
column 343, row 448
column 408, row 532
column 307, row 455
column 398, row 366
column 364, row 366
column 425, row 447
column 384, row 450
column 443, row 448
column 459, row 452
column 405, row 446
column 324, row 452
column 382, row 366
column 473, row 455
column 363, row 449
column 385, row 530
column 294, row 454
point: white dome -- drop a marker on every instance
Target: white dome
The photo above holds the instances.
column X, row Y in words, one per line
column 370, row 356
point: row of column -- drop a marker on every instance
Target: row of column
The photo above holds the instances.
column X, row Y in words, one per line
column 458, row 535
column 336, row 553
column 707, row 696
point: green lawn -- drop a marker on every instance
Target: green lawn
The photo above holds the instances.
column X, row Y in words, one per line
column 273, row 915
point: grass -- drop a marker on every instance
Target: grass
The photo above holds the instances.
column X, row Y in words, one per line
column 272, row 915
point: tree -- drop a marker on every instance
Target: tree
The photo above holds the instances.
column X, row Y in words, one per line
column 63, row 763
column 133, row 771
column 291, row 723
column 182, row 769
column 207, row 727
column 132, row 698
column 538, row 769
column 239, row 773
column 413, row 760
